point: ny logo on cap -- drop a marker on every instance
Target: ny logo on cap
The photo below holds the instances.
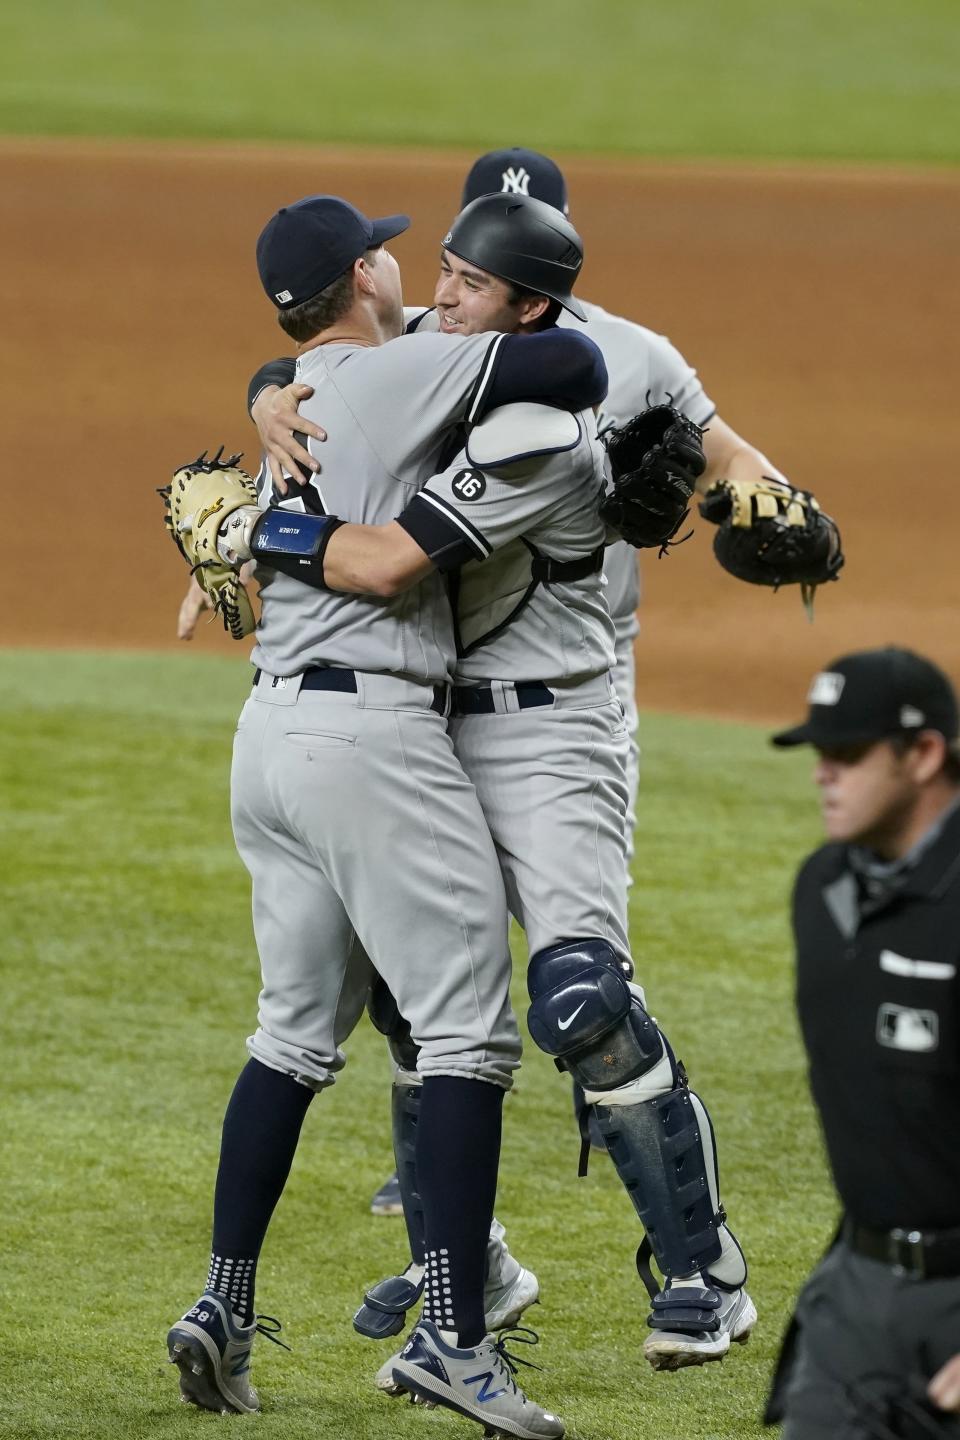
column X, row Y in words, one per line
column 827, row 688
column 515, row 182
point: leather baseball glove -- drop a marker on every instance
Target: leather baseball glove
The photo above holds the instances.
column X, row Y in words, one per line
column 771, row 534
column 197, row 501
column 655, row 461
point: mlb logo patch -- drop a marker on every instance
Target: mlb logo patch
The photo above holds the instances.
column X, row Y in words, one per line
column 901, row 1028
column 827, row 688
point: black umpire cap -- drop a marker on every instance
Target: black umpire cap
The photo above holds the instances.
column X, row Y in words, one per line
column 306, row 246
column 873, row 695
column 517, row 172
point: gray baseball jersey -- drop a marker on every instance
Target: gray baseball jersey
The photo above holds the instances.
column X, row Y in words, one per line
column 645, row 369
column 508, row 625
column 545, row 745
column 388, row 410
column 364, row 839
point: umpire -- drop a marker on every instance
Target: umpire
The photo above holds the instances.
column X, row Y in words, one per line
column 876, row 918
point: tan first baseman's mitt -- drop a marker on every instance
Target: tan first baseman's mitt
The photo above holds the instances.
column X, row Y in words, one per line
column 198, row 499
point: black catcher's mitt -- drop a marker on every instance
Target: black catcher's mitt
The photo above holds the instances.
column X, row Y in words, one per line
column 771, row 534
column 656, row 460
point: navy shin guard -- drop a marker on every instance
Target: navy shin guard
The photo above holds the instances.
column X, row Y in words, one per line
column 658, row 1152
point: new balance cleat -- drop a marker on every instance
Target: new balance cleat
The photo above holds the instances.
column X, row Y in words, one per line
column 212, row 1352
column 387, row 1200
column 476, row 1382
column 211, row 1349
column 692, row 1324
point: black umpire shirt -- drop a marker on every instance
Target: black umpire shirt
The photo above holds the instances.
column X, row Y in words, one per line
column 878, row 996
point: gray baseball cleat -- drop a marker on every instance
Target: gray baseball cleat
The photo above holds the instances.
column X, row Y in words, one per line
column 509, row 1289
column 693, row 1324
column 476, row 1382
column 212, row 1352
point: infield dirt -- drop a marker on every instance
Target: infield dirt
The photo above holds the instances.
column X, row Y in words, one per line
column 822, row 310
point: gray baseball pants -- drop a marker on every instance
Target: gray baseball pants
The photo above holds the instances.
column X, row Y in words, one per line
column 865, row 1333
column 366, row 845
column 552, row 787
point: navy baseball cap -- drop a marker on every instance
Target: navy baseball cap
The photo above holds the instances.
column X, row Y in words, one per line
column 306, row 246
column 872, row 695
column 516, row 172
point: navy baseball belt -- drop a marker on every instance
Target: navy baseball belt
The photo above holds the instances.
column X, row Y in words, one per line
column 479, row 699
column 335, row 677
column 926, row 1254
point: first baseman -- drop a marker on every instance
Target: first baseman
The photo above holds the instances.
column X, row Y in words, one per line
column 363, row 837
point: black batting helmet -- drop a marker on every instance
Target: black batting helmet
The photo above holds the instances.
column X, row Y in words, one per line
column 521, row 240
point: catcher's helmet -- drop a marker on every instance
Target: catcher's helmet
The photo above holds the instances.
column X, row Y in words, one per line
column 521, row 240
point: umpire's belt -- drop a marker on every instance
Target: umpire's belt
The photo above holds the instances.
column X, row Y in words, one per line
column 334, row 677
column 926, row 1254
column 484, row 700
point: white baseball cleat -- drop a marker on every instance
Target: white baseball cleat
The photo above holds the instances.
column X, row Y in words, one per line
column 704, row 1321
column 509, row 1289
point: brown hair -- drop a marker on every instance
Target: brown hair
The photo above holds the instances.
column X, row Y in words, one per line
column 311, row 317
column 516, row 293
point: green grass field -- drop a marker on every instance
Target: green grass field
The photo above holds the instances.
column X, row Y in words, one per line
column 128, row 967
column 130, row 982
column 828, row 79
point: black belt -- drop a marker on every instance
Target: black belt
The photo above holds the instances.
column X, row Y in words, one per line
column 566, row 571
column 334, row 677
column 478, row 699
column 927, row 1254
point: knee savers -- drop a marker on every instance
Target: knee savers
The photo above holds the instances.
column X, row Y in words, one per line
column 382, row 1009
column 585, row 1015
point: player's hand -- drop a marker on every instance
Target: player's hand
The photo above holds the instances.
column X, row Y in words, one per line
column 944, row 1388
column 192, row 607
column 276, row 417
